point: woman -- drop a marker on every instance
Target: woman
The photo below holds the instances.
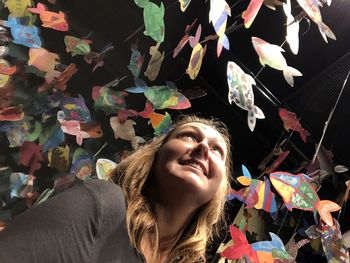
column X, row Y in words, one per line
column 171, row 202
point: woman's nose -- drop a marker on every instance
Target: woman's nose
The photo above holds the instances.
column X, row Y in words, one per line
column 201, row 149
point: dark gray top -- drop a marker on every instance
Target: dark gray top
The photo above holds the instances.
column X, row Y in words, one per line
column 85, row 223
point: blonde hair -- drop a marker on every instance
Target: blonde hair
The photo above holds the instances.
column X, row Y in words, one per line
column 132, row 175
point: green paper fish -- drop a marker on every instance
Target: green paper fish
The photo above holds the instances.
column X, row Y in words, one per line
column 153, row 17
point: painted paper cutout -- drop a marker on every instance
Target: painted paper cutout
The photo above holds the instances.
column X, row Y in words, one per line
column 219, row 10
column 125, row 131
column 153, row 17
column 271, row 55
column 105, row 169
column 184, row 39
column 240, row 248
column 161, row 124
column 6, row 69
column 241, row 93
column 184, row 4
column 98, row 58
column 77, row 46
column 154, row 63
column 18, row 8
column 50, row 19
column 292, row 36
column 23, row 35
column 277, row 162
column 292, row 247
column 58, row 158
column 251, row 12
column 33, row 134
column 136, row 62
column 196, row 59
column 193, row 40
column 82, row 167
column 30, row 155
column 11, row 113
column 4, row 78
column 313, row 11
column 21, row 184
column 125, row 113
column 108, row 100
column 42, row 59
column 297, row 192
column 51, row 137
column 291, row 122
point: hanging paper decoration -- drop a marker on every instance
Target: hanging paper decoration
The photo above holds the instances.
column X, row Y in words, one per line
column 271, row 55
column 292, row 36
column 30, row 155
column 33, row 134
column 125, row 131
column 276, row 163
column 251, row 12
column 58, row 158
column 184, row 4
column 125, row 113
column 219, row 10
column 21, row 184
column 153, row 17
column 291, row 122
column 82, row 167
column 257, row 194
column 11, row 113
column 49, row 19
column 292, row 247
column 154, row 63
column 18, row 8
column 51, row 136
column 184, row 39
column 23, row 35
column 4, row 78
column 108, row 100
column 6, row 69
column 196, row 59
column 312, row 9
column 105, row 169
column 136, row 61
column 77, row 46
column 240, row 247
column 43, row 59
column 297, row 192
column 241, row 93
column 98, row 58
column 161, row 124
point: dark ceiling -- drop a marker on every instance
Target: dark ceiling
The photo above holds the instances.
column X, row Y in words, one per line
column 324, row 67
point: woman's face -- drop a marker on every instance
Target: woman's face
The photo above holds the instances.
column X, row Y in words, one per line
column 192, row 162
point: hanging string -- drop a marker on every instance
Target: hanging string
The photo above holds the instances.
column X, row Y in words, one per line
column 330, row 117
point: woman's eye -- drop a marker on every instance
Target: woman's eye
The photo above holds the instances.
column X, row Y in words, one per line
column 189, row 136
column 218, row 150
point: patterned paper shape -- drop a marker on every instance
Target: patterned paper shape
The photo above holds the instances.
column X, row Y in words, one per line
column 49, row 19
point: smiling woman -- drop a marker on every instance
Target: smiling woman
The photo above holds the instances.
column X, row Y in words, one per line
column 167, row 208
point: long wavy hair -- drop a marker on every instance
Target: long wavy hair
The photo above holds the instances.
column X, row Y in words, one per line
column 133, row 174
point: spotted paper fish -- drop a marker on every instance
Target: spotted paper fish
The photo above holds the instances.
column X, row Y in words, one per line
column 196, row 59
column 292, row 36
column 18, row 8
column 219, row 10
column 311, row 7
column 153, row 16
column 271, row 55
column 297, row 192
column 250, row 13
column 184, row 4
column 77, row 46
column 24, row 35
column 291, row 122
column 50, row 19
column 241, row 93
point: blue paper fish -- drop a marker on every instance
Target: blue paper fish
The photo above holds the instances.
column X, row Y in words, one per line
column 82, row 167
column 23, row 35
column 19, row 183
column 51, row 137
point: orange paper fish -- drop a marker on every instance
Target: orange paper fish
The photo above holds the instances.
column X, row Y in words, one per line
column 50, row 19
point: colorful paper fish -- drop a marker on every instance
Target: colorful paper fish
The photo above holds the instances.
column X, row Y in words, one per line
column 154, row 63
column 21, row 184
column 184, row 39
column 241, row 93
column 18, row 8
column 6, row 69
column 51, row 136
column 23, row 35
column 77, row 46
column 98, row 58
column 291, row 122
column 17, row 134
column 240, row 247
column 184, row 4
column 292, row 36
column 58, row 158
column 311, row 7
column 219, row 10
column 123, row 114
column 196, row 59
column 271, row 55
column 4, row 78
column 297, row 192
column 105, row 169
column 268, row 251
column 257, row 193
column 136, row 62
column 160, row 123
column 42, row 59
column 30, row 155
column 33, row 134
column 108, row 100
column 153, row 17
column 82, row 167
column 11, row 113
column 250, row 13
column 75, row 128
column 49, row 19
